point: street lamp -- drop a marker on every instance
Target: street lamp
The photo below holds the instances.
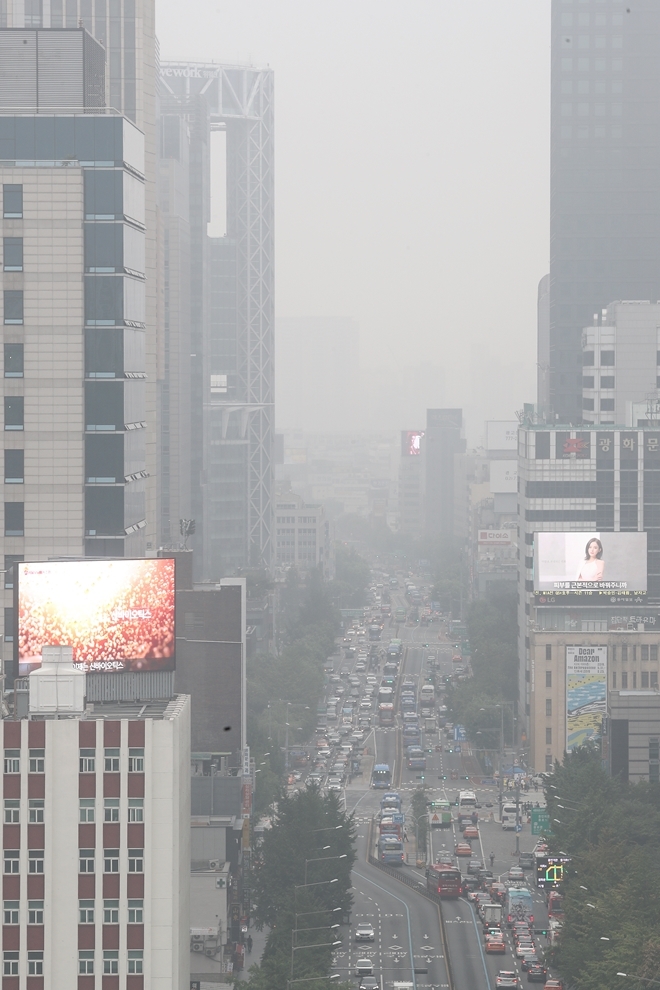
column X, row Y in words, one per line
column 631, row 976
column 315, row 945
column 311, row 979
column 321, row 859
column 331, row 828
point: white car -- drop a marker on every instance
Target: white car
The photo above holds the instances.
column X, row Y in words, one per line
column 365, row 705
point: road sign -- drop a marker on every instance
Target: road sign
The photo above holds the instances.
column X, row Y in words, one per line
column 518, row 828
column 540, row 822
column 460, row 734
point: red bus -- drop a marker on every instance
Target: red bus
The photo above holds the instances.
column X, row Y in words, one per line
column 555, row 905
column 444, row 880
column 385, row 713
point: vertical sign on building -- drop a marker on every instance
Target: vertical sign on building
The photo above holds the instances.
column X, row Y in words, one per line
column 586, row 694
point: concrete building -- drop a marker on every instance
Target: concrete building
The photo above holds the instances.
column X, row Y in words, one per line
column 445, row 485
column 632, row 743
column 303, row 536
column 605, row 176
column 97, row 847
column 620, row 356
column 411, row 484
column 595, row 483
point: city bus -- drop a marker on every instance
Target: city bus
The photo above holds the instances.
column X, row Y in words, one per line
column 444, row 880
column 467, row 802
column 519, row 906
column 440, row 814
column 391, row 802
column 416, row 758
column 381, row 776
column 386, row 713
column 427, row 694
column 386, row 693
column 390, row 850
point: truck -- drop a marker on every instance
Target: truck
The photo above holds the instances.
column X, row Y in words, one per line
column 491, row 915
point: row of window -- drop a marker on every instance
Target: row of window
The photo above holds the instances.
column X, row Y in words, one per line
column 87, row 859
column 584, row 87
column 606, row 405
column 86, row 810
column 648, row 651
column 86, row 958
column 11, row 912
column 606, row 381
column 87, row 760
column 584, row 19
column 606, row 359
column 586, row 64
column 648, row 680
column 86, row 912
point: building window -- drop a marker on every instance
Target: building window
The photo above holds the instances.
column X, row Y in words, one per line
column 654, row 749
column 14, row 467
column 9, row 625
column 136, row 760
column 110, row 962
column 614, row 681
column 110, row 912
column 35, row 912
column 548, row 678
column 654, row 680
column 588, row 404
column 111, row 861
column 10, row 560
column 86, row 811
column 588, row 359
column 607, row 359
column 624, row 654
column 36, row 861
column 12, row 201
column 14, row 416
column 12, row 254
column 645, row 652
column 634, row 679
column 10, row 912
column 135, row 961
column 111, row 810
column 85, row 860
column 654, row 651
column 548, row 737
column 135, row 810
column 548, row 652
column 10, row 963
column 14, row 518
column 613, row 653
column 13, row 360
column 13, row 300
column 548, row 706
column 607, row 405
column 12, row 812
column 136, row 861
column 588, row 381
column 111, row 761
column 607, row 381
column 36, row 761
column 36, row 811
column 87, row 760
column 624, row 681
column 135, row 912
column 86, row 962
column 645, row 678
column 12, row 761
column 35, row 964
column 11, row 860
column 86, row 912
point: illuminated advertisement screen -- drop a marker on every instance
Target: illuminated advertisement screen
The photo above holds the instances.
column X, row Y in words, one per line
column 590, row 565
column 586, row 694
column 116, row 614
column 411, row 441
column 550, row 871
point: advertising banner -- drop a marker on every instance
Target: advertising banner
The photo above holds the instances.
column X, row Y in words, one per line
column 502, row 435
column 586, row 694
column 411, row 441
column 503, row 477
column 494, row 537
column 591, row 565
column 116, row 614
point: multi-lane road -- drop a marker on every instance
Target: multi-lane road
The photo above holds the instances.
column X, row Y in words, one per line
column 408, row 946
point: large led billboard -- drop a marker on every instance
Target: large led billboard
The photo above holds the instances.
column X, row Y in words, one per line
column 590, row 564
column 586, row 694
column 116, row 614
column 411, row 443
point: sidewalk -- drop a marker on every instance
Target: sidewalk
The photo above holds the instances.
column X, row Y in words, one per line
column 258, row 946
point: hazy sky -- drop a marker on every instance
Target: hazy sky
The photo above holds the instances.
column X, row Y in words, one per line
column 412, row 174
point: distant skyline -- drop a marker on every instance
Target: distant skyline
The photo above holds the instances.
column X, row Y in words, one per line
column 412, row 176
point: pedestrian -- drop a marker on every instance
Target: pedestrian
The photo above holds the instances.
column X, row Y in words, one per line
column 249, row 943
column 492, row 859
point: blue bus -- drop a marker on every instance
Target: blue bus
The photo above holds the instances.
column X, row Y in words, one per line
column 390, row 850
column 381, row 776
column 416, row 758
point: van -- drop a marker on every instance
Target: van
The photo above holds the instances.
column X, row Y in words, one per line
column 508, row 817
column 364, row 967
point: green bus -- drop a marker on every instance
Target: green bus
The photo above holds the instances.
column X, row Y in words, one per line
column 440, row 814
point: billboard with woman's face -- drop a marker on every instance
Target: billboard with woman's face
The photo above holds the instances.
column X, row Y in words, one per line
column 115, row 614
column 600, row 563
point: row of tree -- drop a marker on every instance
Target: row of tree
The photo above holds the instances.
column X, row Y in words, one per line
column 611, row 831
column 301, row 884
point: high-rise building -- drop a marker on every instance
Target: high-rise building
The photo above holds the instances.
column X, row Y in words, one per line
column 411, row 483
column 445, row 498
column 605, row 176
column 620, row 365
column 230, row 313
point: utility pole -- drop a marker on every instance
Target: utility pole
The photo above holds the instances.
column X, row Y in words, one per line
column 501, row 707
column 517, row 851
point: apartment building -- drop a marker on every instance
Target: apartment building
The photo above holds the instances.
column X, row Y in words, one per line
column 302, row 535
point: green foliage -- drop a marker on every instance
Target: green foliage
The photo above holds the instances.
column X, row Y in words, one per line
column 612, row 887
column 420, row 813
column 352, row 575
column 305, row 823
